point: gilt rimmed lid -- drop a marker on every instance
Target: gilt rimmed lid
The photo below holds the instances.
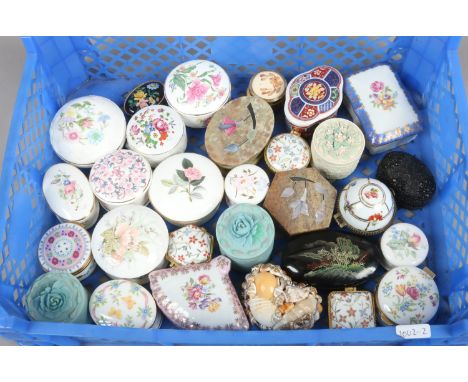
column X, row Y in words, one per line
column 190, row 245
column 268, row 85
column 287, row 152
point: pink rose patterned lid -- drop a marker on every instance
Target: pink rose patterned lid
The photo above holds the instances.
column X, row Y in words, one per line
column 287, row 152
column 65, row 248
column 120, row 177
column 246, row 183
column 408, row 295
column 189, row 245
column 197, row 87
column 199, row 296
column 351, row 309
column 87, row 128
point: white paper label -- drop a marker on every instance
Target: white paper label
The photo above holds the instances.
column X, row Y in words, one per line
column 409, row 332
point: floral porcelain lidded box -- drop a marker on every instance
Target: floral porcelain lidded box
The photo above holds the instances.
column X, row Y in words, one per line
column 187, row 189
column 69, row 195
column 156, row 132
column 129, row 242
column 246, row 183
column 378, row 102
column 199, row 296
column 146, row 94
column 269, row 86
column 189, row 245
column 238, row 133
column 366, row 206
column 87, row 128
column 287, row 152
column 121, row 178
column 311, row 97
column 337, row 146
column 122, row 303
column 196, row 90
column 245, row 234
column 403, row 244
column 351, row 309
column 67, row 248
column 301, row 200
column 407, row 295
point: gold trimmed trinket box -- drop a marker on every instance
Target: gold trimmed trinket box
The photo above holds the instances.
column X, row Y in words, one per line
column 351, row 308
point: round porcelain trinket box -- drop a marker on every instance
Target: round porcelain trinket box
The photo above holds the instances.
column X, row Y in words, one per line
column 186, row 189
column 143, row 95
column 87, row 128
column 407, row 295
column 129, row 242
column 122, row 303
column 311, row 97
column 403, row 244
column 196, row 90
column 245, row 234
column 287, row 152
column 337, row 146
column 156, row 132
column 366, row 206
column 246, row 183
column 189, row 245
column 121, row 178
column 269, row 86
column 66, row 248
column 69, row 195
column 238, row 133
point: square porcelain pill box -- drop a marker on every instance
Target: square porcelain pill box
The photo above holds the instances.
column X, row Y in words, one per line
column 378, row 102
column 351, row 309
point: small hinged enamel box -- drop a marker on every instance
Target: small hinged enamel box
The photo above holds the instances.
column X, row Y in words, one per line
column 143, row 95
column 87, row 128
column 365, row 206
column 311, row 97
column 301, row 200
column 156, row 132
column 196, row 90
column 337, row 146
column 287, row 152
column 269, row 86
column 246, row 183
column 238, row 133
column 351, row 309
column 378, row 102
column 189, row 245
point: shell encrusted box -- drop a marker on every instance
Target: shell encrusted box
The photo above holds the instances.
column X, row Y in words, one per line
column 196, row 90
column 287, row 152
column 351, row 309
column 246, row 183
column 378, row 102
column 311, row 97
column 87, row 128
column 301, row 200
column 189, row 245
column 238, row 133
column 143, row 95
column 269, row 86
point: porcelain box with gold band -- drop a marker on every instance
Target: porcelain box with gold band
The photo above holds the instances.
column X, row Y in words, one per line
column 189, row 245
column 287, row 152
column 351, row 308
column 269, row 86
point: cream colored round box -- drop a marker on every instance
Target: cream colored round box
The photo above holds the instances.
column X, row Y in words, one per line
column 87, row 128
column 337, row 146
column 69, row 195
column 246, row 183
column 196, row 90
column 129, row 242
column 121, row 178
column 287, row 152
column 156, row 132
column 186, row 189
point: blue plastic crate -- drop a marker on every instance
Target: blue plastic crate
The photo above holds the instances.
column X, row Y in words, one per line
column 61, row 68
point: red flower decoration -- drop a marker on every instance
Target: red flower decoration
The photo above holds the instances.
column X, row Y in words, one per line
column 375, row 217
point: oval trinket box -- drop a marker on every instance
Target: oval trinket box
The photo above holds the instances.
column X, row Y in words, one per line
column 143, row 95
column 129, row 242
column 196, row 90
column 274, row 302
column 329, row 259
column 121, row 178
column 311, row 97
column 156, row 132
column 245, row 234
column 337, row 146
column 199, row 296
column 238, row 133
column 246, row 183
column 287, row 152
column 69, row 195
column 67, row 248
column 87, row 128
column 407, row 295
column 187, row 189
column 122, row 303
column 351, row 308
column 189, row 245
column 403, row 244
column 365, row 206
column 269, row 86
